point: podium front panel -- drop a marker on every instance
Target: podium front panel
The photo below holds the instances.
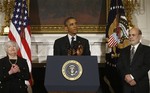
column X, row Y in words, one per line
column 55, row 80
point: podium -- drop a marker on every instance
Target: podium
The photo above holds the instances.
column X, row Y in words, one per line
column 71, row 74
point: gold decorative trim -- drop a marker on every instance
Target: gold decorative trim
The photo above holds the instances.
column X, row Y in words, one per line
column 59, row 29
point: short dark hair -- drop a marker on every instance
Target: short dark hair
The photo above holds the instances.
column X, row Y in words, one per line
column 68, row 18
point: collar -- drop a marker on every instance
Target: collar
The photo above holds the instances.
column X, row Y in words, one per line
column 135, row 46
column 75, row 37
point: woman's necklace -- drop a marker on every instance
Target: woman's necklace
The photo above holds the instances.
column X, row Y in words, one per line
column 12, row 62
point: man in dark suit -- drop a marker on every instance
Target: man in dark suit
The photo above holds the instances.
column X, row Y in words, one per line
column 134, row 65
column 71, row 44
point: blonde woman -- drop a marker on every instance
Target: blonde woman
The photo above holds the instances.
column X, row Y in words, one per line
column 13, row 70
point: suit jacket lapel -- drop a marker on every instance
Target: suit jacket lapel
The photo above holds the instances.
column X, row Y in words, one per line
column 128, row 56
column 67, row 40
column 77, row 39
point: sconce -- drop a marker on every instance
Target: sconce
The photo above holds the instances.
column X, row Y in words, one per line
column 139, row 6
column 6, row 7
column 133, row 6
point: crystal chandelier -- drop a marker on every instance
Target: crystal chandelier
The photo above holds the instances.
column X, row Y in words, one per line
column 139, row 6
column 6, row 8
column 133, row 6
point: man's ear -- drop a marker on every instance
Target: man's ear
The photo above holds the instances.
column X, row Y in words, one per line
column 66, row 29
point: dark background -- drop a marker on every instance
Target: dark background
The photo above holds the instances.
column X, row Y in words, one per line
column 53, row 12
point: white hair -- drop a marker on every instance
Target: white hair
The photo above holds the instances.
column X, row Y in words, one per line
column 10, row 43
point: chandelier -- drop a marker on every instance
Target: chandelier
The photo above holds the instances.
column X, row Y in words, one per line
column 6, row 8
column 139, row 6
column 133, row 6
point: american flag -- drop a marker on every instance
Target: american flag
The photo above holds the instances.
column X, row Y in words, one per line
column 117, row 23
column 113, row 40
column 20, row 31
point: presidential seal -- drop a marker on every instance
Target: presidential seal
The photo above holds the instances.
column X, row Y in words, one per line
column 72, row 70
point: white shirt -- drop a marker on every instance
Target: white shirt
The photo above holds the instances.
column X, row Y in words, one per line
column 135, row 47
column 70, row 38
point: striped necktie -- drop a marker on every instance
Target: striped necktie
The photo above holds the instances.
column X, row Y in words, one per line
column 132, row 51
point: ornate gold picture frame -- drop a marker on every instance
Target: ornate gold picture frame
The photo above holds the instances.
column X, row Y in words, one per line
column 46, row 17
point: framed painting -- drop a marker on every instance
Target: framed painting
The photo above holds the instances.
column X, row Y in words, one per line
column 47, row 16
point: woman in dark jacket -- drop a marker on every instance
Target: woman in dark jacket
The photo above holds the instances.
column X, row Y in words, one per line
column 13, row 70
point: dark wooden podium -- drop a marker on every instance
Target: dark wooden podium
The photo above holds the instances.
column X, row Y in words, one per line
column 56, row 82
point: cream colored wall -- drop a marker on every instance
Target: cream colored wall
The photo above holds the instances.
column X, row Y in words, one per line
column 42, row 45
column 143, row 22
